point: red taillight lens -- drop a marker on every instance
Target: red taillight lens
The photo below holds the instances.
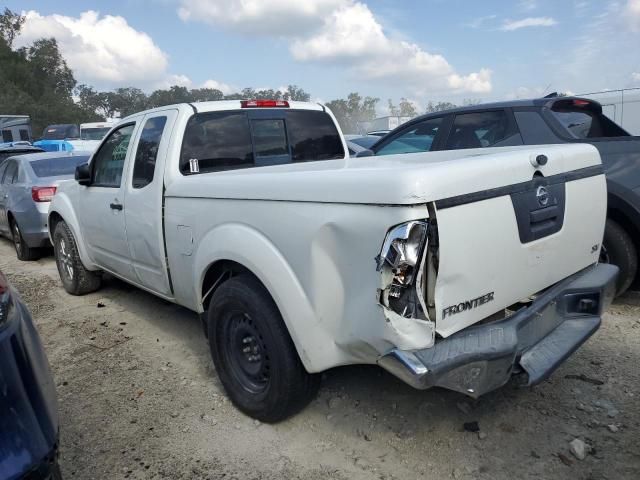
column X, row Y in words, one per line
column 581, row 103
column 42, row 194
column 264, row 104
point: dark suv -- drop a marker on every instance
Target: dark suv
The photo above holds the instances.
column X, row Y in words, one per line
column 544, row 121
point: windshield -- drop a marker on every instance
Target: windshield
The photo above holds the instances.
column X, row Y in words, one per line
column 584, row 119
column 94, row 133
column 57, row 166
column 60, row 132
column 366, row 142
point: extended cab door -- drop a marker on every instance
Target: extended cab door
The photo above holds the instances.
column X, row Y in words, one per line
column 8, row 174
column 144, row 198
column 102, row 204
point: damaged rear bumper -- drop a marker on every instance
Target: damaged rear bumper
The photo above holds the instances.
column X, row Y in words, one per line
column 536, row 339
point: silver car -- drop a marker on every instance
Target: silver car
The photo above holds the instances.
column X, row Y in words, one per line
column 27, row 185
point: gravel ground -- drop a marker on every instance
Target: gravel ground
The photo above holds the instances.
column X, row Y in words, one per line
column 139, row 398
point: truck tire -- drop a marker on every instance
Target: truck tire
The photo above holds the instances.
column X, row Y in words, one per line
column 253, row 353
column 23, row 251
column 618, row 249
column 76, row 279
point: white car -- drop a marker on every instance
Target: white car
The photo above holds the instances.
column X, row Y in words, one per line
column 456, row 269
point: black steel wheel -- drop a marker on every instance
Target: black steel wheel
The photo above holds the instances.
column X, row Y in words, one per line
column 254, row 356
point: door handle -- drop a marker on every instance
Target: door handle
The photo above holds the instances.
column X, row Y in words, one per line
column 115, row 206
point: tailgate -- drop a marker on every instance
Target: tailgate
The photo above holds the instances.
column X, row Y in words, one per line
column 503, row 245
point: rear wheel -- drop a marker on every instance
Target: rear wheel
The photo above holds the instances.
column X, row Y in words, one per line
column 253, row 353
column 76, row 279
column 23, row 251
column 618, row 249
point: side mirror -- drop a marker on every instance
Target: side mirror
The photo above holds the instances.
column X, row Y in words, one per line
column 365, row 153
column 83, row 174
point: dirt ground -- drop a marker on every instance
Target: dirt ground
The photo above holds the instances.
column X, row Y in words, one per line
column 139, row 398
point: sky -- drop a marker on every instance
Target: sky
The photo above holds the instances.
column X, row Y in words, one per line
column 439, row 50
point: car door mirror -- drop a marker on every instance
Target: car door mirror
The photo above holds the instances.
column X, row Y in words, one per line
column 365, row 153
column 83, row 174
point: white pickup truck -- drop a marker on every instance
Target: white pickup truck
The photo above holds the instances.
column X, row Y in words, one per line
column 456, row 269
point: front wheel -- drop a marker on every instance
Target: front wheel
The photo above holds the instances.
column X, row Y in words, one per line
column 76, row 279
column 618, row 249
column 253, row 353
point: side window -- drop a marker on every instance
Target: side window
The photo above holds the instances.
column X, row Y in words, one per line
column 3, row 167
column 216, row 141
column 416, row 138
column 7, row 135
column 145, row 162
column 313, row 136
column 11, row 173
column 476, row 130
column 108, row 162
column 24, row 135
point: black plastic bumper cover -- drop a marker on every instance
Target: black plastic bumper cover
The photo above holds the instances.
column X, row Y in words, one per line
column 537, row 338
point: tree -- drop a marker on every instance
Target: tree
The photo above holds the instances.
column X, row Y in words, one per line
column 10, row 26
column 206, row 94
column 353, row 111
column 50, row 67
column 393, row 110
column 407, row 109
column 439, row 106
column 295, row 93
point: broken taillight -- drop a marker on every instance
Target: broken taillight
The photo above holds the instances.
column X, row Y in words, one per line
column 264, row 104
column 42, row 194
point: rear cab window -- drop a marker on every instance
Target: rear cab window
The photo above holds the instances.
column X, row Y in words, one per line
column 57, row 167
column 229, row 140
column 584, row 119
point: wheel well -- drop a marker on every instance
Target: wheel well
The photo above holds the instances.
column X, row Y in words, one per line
column 218, row 273
column 622, row 219
column 54, row 219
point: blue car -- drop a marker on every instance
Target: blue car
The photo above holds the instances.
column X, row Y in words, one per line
column 28, row 405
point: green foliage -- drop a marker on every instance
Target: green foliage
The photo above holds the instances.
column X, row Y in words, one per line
column 353, row 110
column 36, row 81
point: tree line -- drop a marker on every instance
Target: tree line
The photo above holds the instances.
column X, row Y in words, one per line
column 37, row 81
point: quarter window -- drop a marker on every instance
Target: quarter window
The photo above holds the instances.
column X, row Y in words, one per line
column 216, row 141
column 417, row 138
column 145, row 163
column 11, row 173
column 24, row 135
column 313, row 136
column 109, row 160
column 477, row 130
column 7, row 136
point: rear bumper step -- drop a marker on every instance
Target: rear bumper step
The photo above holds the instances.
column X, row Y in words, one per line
column 537, row 339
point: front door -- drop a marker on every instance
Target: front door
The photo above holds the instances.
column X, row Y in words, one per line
column 102, row 204
column 145, row 190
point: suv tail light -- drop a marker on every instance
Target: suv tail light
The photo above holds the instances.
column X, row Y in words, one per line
column 42, row 194
column 264, row 104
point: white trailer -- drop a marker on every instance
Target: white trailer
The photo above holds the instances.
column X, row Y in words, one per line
column 621, row 106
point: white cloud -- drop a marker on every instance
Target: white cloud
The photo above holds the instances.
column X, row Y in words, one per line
column 632, row 12
column 103, row 50
column 173, row 80
column 338, row 32
column 223, row 87
column 351, row 35
column 635, row 76
column 480, row 21
column 275, row 17
column 511, row 25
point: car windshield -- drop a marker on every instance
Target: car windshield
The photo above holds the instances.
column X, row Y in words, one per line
column 57, row 166
column 94, row 133
column 366, row 142
column 60, row 132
